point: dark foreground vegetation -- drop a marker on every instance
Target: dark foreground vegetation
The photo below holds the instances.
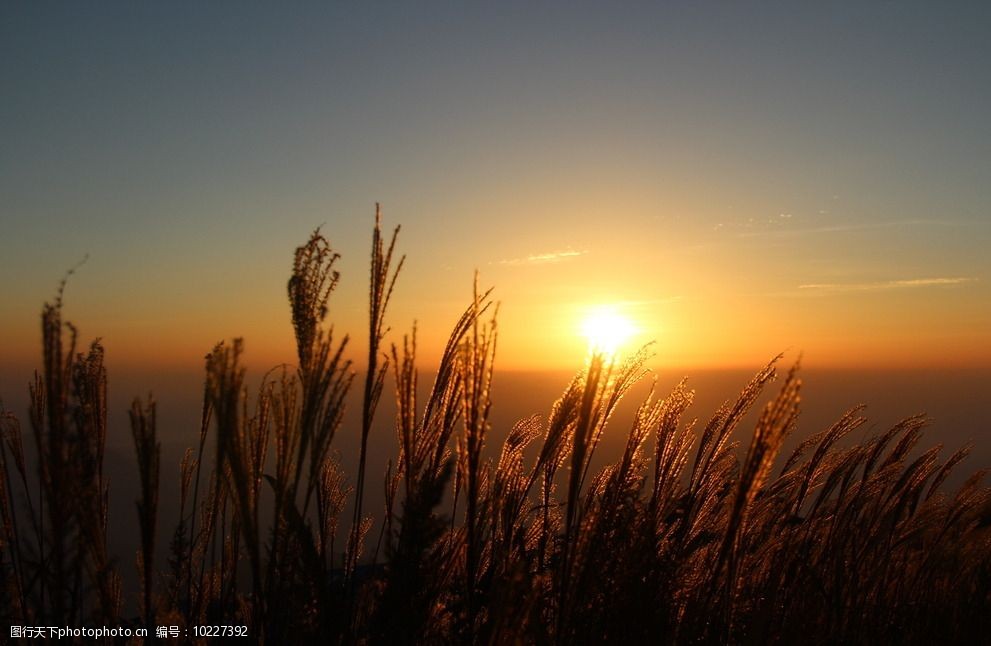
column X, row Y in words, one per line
column 684, row 540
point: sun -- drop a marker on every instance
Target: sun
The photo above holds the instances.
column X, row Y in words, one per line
column 606, row 330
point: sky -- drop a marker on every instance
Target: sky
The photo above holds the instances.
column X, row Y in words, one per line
column 737, row 179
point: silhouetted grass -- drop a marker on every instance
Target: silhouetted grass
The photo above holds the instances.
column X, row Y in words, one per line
column 679, row 541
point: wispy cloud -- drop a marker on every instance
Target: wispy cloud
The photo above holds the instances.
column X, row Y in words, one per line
column 848, row 226
column 886, row 284
column 544, row 258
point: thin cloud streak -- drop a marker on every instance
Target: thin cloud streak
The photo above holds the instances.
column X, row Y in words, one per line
column 886, row 285
column 544, row 258
column 853, row 226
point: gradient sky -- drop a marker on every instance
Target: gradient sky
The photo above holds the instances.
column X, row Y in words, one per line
column 739, row 178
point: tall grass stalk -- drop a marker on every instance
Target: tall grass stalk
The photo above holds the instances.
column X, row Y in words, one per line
column 381, row 284
column 149, row 453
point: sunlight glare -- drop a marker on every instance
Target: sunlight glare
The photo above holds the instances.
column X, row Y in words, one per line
column 606, row 330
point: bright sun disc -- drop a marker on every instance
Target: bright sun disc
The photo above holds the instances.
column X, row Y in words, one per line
column 606, row 330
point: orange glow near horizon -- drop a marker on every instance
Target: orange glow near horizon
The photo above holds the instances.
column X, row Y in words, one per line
column 549, row 316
